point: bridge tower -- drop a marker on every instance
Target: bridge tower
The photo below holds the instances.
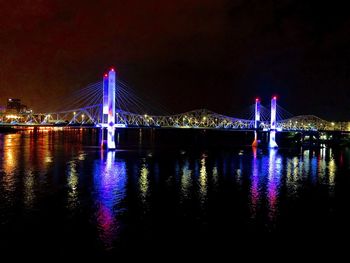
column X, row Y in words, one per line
column 108, row 108
column 111, row 109
column 272, row 142
column 105, row 99
column 256, row 122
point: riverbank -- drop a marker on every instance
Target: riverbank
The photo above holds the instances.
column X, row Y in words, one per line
column 7, row 129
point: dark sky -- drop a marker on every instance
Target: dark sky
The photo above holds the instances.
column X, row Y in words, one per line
column 216, row 54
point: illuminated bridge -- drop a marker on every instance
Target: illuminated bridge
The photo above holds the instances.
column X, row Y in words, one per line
column 112, row 104
column 201, row 118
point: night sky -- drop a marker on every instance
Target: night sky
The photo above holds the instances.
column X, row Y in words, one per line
column 217, row 54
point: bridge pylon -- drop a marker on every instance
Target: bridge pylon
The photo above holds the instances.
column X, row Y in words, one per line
column 108, row 108
column 272, row 142
column 256, row 122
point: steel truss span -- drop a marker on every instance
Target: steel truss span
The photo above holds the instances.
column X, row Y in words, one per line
column 83, row 116
column 200, row 119
column 307, row 122
column 196, row 119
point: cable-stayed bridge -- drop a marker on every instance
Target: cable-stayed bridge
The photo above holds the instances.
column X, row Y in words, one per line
column 113, row 104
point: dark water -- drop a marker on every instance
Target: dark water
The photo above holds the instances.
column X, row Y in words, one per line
column 61, row 194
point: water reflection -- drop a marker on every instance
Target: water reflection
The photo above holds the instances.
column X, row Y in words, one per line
column 9, row 162
column 239, row 171
column 332, row 169
column 29, row 194
column 186, row 180
column 215, row 175
column 203, row 181
column 269, row 176
column 37, row 170
column 305, row 165
column 274, row 176
column 143, row 182
column 110, row 178
column 292, row 176
column 254, row 191
column 73, row 185
column 25, row 160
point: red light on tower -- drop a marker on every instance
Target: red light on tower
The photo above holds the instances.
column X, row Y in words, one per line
column 257, row 99
column 105, row 75
column 274, row 97
column 112, row 69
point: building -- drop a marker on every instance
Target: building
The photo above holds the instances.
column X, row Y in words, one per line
column 15, row 106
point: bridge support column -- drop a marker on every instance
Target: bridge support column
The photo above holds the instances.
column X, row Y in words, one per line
column 111, row 110
column 104, row 117
column 272, row 142
column 108, row 109
column 256, row 122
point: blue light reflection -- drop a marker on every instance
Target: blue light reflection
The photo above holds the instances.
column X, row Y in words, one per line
column 110, row 177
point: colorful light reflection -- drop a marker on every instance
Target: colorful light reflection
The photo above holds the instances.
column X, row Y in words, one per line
column 254, row 190
column 110, row 189
column 274, row 177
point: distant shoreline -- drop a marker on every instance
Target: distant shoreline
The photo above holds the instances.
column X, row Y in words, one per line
column 7, row 129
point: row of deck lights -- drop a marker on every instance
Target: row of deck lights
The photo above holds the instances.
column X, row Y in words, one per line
column 309, row 124
column 82, row 116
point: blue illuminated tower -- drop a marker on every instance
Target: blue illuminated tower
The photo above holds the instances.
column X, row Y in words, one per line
column 104, row 118
column 105, row 98
column 272, row 143
column 111, row 109
column 256, row 122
